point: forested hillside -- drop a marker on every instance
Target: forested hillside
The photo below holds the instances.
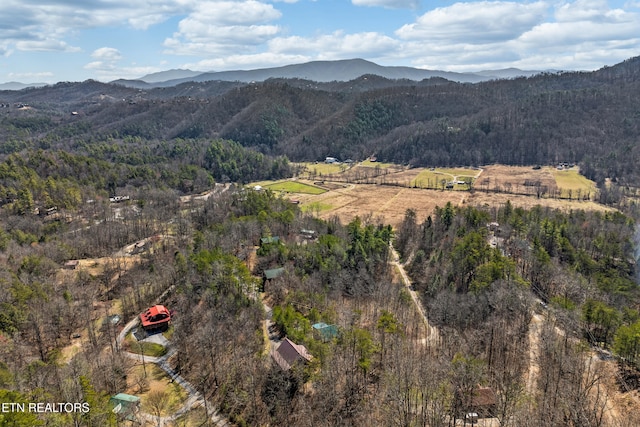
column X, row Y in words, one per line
column 511, row 319
column 589, row 118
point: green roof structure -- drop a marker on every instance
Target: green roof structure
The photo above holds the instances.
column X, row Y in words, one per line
column 125, row 405
column 326, row 332
column 273, row 273
column 267, row 240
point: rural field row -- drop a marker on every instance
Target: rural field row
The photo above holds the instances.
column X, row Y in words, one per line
column 397, row 189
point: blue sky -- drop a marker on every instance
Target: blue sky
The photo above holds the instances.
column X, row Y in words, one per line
column 74, row 40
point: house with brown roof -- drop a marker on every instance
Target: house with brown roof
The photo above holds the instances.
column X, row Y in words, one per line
column 289, row 353
column 482, row 402
column 156, row 317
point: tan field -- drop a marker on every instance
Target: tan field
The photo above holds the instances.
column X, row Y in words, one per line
column 390, row 202
column 547, row 180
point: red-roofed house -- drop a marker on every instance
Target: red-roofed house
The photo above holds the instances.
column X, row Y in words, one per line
column 288, row 353
column 156, row 317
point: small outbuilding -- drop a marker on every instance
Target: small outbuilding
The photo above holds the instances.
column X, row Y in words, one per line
column 269, row 240
column 71, row 264
column 125, row 406
column 325, row 332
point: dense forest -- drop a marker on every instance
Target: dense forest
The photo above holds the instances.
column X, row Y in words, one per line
column 114, row 200
column 568, row 276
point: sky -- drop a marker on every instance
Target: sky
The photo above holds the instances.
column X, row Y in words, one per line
column 48, row 41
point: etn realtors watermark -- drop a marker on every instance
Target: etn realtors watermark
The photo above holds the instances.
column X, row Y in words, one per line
column 44, row 407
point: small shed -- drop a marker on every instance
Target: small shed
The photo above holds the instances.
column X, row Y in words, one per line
column 71, row 264
column 269, row 240
column 125, row 406
column 325, row 332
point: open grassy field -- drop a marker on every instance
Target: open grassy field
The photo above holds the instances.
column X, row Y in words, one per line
column 387, row 195
column 571, row 181
column 433, row 177
column 391, row 202
column 388, row 202
column 322, row 168
column 141, row 385
column 547, row 180
column 370, row 164
column 460, row 172
column 316, row 207
column 294, row 187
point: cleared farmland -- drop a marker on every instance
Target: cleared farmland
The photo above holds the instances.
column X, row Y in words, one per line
column 390, row 194
column 294, row 187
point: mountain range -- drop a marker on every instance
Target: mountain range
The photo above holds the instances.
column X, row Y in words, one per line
column 319, row 71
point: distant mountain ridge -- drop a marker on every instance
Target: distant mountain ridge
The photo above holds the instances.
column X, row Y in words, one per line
column 175, row 74
column 319, row 71
column 19, row 86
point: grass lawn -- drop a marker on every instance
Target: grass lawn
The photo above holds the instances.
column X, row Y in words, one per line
column 432, row 178
column 429, row 179
column 286, row 185
column 571, row 180
column 141, row 347
column 168, row 334
column 370, row 164
column 459, row 172
column 316, row 207
column 324, row 168
column 156, row 380
column 295, row 187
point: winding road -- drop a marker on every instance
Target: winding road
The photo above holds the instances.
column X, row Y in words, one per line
column 433, row 336
column 194, row 398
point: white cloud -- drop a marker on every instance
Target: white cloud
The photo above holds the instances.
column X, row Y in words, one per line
column 390, row 4
column 107, row 54
column 478, row 22
column 587, row 10
column 337, row 45
column 41, row 75
column 224, row 27
column 108, row 71
column 498, row 34
column 43, row 24
column 232, row 34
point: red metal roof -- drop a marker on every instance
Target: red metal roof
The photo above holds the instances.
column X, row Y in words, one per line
column 156, row 315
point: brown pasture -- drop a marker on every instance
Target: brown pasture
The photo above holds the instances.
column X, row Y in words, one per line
column 513, row 179
column 390, row 203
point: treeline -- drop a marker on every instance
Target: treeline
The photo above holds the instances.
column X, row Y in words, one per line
column 62, row 179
